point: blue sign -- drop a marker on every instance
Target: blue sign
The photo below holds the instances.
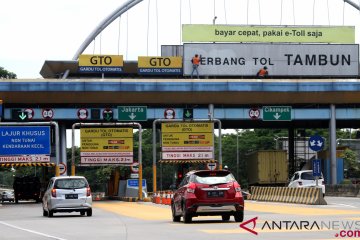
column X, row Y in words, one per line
column 135, row 182
column 24, row 140
column 316, row 143
column 316, row 168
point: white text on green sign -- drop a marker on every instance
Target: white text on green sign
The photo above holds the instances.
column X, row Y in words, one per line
column 132, row 113
column 276, row 113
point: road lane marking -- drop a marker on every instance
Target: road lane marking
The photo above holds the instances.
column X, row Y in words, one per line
column 31, row 231
column 346, row 205
column 291, row 209
column 137, row 210
column 160, row 212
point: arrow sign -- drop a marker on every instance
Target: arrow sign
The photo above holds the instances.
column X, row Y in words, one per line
column 188, row 113
column 132, row 113
column 22, row 116
column 316, row 143
column 132, row 116
column 108, row 114
column 277, row 116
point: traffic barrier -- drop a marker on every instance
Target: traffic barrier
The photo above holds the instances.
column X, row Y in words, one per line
column 27, row 164
column 163, row 198
column 311, row 196
column 168, row 198
column 157, row 198
column 97, row 198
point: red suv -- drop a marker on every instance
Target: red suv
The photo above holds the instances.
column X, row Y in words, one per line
column 208, row 193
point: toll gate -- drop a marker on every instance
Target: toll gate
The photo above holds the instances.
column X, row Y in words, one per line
column 311, row 85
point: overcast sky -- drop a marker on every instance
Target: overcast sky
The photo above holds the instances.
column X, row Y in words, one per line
column 39, row 30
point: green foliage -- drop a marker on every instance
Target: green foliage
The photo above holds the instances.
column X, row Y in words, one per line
column 6, row 177
column 353, row 166
column 4, row 74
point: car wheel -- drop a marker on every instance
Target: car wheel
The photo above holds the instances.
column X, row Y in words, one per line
column 16, row 200
column 45, row 213
column 225, row 217
column 89, row 212
column 50, row 213
column 82, row 213
column 239, row 216
column 174, row 217
column 186, row 215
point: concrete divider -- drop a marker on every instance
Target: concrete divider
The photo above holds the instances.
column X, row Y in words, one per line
column 311, row 196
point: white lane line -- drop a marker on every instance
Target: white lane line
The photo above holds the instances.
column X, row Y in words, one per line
column 346, row 205
column 31, row 231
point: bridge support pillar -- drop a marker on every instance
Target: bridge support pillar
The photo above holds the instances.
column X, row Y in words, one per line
column 291, row 150
column 62, row 141
column 332, row 134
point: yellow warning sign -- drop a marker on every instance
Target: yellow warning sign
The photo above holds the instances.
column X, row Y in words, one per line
column 106, row 140
column 187, row 134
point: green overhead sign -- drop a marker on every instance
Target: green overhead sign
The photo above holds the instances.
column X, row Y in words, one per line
column 276, row 113
column 132, row 113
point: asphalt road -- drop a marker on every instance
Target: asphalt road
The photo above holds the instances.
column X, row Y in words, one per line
column 137, row 221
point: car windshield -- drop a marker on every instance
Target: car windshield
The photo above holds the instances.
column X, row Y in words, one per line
column 307, row 176
column 71, row 183
column 214, row 178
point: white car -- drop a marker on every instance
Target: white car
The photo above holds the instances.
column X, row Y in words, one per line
column 7, row 196
column 67, row 194
column 305, row 178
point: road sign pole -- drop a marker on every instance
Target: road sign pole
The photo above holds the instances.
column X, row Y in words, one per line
column 317, row 177
column 140, row 161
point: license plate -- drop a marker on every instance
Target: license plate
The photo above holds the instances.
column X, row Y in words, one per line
column 71, row 196
column 215, row 194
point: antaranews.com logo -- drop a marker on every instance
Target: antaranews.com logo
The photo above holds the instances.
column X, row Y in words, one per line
column 345, row 229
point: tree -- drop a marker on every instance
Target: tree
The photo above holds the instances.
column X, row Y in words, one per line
column 350, row 159
column 5, row 74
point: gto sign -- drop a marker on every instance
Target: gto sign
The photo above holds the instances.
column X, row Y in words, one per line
column 101, row 63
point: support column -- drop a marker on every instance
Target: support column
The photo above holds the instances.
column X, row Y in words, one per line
column 291, row 140
column 63, row 158
column 333, row 144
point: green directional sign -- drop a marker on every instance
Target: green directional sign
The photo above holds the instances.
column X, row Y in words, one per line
column 276, row 113
column 132, row 113
column 108, row 114
column 19, row 115
column 188, row 113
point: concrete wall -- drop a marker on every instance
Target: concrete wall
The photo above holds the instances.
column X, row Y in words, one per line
column 343, row 190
